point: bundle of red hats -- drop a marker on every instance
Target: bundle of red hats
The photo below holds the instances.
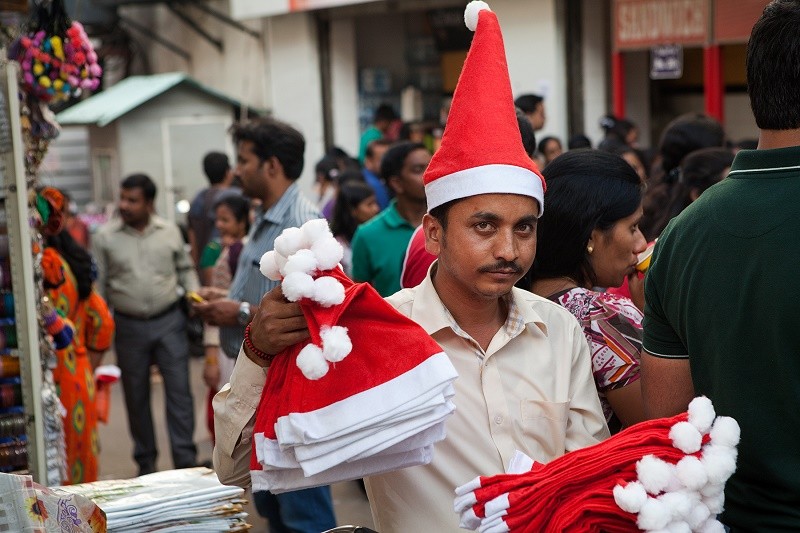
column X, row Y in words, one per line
column 665, row 475
column 367, row 394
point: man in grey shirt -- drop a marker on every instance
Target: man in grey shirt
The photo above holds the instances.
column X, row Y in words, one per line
column 269, row 162
column 144, row 270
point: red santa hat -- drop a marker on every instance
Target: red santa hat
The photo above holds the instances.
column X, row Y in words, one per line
column 481, row 150
column 667, row 474
column 368, row 393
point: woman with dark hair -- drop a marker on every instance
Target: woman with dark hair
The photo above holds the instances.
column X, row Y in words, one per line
column 618, row 132
column 632, row 156
column 232, row 220
column 682, row 136
column 69, row 274
column 589, row 237
column 355, row 205
column 549, row 148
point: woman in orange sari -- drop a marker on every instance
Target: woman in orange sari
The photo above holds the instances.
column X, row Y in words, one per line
column 68, row 275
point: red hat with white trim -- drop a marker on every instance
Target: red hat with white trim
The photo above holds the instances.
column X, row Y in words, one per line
column 481, row 150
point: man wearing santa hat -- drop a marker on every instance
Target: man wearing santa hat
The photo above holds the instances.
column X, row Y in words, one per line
column 524, row 367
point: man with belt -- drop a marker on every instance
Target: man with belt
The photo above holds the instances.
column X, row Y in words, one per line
column 144, row 270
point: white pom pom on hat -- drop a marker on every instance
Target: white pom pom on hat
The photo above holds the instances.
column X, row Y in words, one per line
column 311, row 362
column 336, row 344
column 269, row 266
column 301, row 261
column 686, row 437
column 329, row 253
column 701, row 413
column 654, row 514
column 327, row 291
column 315, row 231
column 631, row 497
column 653, row 473
column 725, row 432
column 471, row 13
column 297, row 286
column 289, row 241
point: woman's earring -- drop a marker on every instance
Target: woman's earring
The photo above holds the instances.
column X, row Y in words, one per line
column 590, row 249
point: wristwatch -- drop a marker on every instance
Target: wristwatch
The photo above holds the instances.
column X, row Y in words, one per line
column 244, row 313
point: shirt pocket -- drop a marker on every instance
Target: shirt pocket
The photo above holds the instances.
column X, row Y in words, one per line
column 545, row 424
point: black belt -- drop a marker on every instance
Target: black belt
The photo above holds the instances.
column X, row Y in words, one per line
column 170, row 308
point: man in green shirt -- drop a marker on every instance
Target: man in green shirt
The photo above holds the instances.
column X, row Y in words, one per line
column 380, row 244
column 721, row 295
column 384, row 116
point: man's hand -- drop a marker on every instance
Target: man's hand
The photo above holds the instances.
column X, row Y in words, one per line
column 212, row 293
column 222, row 312
column 277, row 324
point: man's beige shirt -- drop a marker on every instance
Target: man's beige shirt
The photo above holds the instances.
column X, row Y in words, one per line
column 532, row 391
column 139, row 272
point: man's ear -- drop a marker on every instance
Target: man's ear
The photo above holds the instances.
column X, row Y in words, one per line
column 434, row 234
column 272, row 167
column 395, row 184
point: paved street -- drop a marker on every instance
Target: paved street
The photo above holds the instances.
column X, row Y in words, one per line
column 116, row 460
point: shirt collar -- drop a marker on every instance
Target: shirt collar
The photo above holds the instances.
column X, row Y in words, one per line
column 429, row 311
column 277, row 213
column 392, row 217
column 753, row 162
column 155, row 222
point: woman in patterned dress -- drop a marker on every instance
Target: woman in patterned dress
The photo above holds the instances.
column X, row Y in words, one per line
column 588, row 240
column 68, row 274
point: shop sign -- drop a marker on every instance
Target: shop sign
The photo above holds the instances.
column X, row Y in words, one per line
column 644, row 23
column 245, row 9
column 666, row 62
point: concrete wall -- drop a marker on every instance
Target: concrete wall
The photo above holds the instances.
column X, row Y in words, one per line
column 596, row 67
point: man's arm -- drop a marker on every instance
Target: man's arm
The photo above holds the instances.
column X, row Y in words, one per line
column 587, row 424
column 99, row 256
column 277, row 324
column 667, row 386
column 187, row 276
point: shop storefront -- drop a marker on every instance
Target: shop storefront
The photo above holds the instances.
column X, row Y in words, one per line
column 699, row 46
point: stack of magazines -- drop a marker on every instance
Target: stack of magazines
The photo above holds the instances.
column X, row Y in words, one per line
column 190, row 499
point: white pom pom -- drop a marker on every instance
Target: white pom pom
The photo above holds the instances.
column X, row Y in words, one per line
column 301, row 261
column 269, row 267
column 311, row 362
column 692, row 473
column 678, row 527
column 297, row 286
column 679, row 503
column 697, row 515
column 653, row 515
column 711, row 526
column 686, row 437
column 715, row 503
column 281, row 262
column 314, row 231
column 327, row 291
column 336, row 344
column 289, row 241
column 720, row 463
column 653, row 473
column 725, row 432
column 701, row 414
column 471, row 13
column 631, row 497
column 328, row 252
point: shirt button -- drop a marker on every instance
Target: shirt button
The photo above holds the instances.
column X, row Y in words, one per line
column 498, row 419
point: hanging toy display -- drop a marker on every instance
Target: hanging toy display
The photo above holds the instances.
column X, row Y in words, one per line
column 57, row 59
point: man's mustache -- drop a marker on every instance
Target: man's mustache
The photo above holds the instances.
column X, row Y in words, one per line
column 501, row 266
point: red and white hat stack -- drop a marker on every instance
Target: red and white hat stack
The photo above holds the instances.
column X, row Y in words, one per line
column 664, row 475
column 481, row 150
column 368, row 394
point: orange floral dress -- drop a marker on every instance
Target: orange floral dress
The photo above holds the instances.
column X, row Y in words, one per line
column 94, row 330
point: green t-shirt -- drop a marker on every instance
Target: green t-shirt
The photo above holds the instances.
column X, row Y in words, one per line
column 210, row 254
column 372, row 134
column 723, row 291
column 379, row 247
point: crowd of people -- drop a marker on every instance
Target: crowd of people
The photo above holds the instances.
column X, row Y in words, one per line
column 539, row 274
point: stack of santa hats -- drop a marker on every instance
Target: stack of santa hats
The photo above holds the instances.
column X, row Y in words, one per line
column 664, row 475
column 367, row 394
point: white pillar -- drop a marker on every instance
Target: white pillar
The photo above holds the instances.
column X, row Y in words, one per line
column 534, row 38
column 344, row 84
column 294, row 89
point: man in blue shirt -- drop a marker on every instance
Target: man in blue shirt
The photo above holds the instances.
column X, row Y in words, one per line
column 372, row 170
